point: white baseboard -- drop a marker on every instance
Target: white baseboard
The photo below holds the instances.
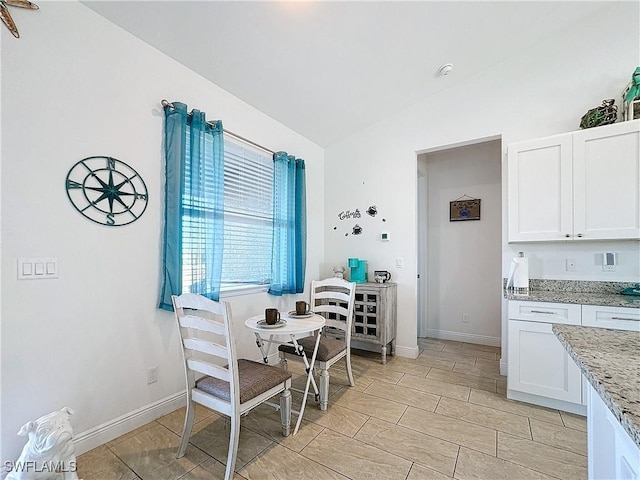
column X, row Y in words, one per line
column 464, row 337
column 94, row 437
column 407, row 352
column 578, row 409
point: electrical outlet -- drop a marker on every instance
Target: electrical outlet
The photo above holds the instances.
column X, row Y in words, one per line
column 399, row 262
column 152, row 375
column 570, row 264
column 465, row 318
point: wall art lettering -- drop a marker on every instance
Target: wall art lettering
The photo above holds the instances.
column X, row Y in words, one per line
column 344, row 215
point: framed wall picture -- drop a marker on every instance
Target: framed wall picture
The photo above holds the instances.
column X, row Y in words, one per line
column 464, row 209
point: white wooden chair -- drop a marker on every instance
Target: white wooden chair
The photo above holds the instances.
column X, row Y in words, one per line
column 332, row 298
column 216, row 378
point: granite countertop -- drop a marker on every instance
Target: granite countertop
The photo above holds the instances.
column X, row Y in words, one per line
column 584, row 298
column 610, row 360
column 580, row 292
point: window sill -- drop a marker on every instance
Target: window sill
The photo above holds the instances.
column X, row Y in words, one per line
column 243, row 290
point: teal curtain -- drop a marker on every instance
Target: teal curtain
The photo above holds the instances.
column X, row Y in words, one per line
column 289, row 225
column 194, row 205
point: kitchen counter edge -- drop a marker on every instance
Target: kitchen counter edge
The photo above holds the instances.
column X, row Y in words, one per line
column 608, row 374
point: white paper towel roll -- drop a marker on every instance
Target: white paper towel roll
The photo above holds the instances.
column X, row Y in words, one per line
column 519, row 273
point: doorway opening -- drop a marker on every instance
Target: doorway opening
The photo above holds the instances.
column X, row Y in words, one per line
column 460, row 258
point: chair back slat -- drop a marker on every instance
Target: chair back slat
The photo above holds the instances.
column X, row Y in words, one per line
column 200, row 323
column 339, row 324
column 333, row 295
column 210, row 369
column 205, row 346
column 337, row 309
column 334, row 298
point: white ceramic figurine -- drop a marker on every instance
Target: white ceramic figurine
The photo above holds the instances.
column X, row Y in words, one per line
column 49, row 454
column 338, row 271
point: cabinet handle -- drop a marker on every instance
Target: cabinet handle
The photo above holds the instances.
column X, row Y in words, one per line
column 544, row 313
column 623, row 318
column 579, row 235
column 567, row 235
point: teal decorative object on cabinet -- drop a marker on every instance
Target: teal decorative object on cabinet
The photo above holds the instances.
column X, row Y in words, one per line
column 358, row 270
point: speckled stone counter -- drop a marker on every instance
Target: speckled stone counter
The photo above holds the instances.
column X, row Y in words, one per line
column 610, row 360
column 581, row 292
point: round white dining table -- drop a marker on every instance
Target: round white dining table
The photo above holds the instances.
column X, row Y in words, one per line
column 292, row 328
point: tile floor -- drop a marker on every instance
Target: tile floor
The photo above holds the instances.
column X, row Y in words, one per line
column 442, row 415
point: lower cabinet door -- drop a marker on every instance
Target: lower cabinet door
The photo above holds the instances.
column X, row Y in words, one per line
column 611, row 451
column 539, row 364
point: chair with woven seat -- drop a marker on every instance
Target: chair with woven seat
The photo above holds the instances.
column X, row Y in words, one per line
column 216, row 378
column 332, row 298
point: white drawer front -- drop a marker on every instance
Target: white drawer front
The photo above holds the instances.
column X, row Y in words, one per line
column 617, row 318
column 566, row 313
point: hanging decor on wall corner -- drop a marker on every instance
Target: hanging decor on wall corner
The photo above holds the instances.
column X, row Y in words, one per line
column 107, row 191
column 6, row 16
column 464, row 208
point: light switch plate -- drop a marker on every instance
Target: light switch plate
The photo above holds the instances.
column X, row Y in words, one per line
column 37, row 268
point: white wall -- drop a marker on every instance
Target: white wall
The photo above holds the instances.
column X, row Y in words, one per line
column 543, row 91
column 75, row 85
column 464, row 258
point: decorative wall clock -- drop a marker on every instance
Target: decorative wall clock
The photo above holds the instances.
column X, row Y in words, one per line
column 107, row 191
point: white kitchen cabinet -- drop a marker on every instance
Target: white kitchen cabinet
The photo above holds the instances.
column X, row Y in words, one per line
column 617, row 318
column 606, row 176
column 540, row 189
column 576, row 186
column 611, row 452
column 539, row 369
column 539, row 364
column 545, row 312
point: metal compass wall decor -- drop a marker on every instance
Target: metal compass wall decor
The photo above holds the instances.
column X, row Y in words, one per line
column 6, row 16
column 107, row 191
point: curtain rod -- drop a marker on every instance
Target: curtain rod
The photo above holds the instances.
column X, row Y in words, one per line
column 166, row 103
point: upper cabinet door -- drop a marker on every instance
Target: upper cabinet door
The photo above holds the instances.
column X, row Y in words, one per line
column 606, row 169
column 540, row 189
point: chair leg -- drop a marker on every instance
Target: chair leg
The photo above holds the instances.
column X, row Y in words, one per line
column 186, row 430
column 349, row 372
column 285, row 412
column 324, row 388
column 234, row 436
column 283, row 361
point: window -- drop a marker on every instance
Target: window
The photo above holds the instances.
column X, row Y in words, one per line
column 248, row 215
column 248, row 221
column 234, row 216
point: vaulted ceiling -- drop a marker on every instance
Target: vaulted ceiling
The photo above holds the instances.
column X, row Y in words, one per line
column 328, row 69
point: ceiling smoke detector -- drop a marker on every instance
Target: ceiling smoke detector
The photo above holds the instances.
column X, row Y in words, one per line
column 445, row 69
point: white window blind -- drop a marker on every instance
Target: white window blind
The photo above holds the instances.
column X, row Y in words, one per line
column 248, row 215
column 248, row 220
